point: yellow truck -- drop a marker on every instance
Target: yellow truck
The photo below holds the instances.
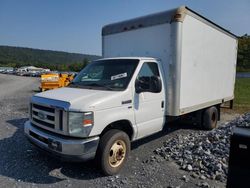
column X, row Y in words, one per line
column 55, row 80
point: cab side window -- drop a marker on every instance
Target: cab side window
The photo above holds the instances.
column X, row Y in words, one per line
column 147, row 78
column 148, row 69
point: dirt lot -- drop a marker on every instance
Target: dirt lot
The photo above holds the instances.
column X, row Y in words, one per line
column 21, row 165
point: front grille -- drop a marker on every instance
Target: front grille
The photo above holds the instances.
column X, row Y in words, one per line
column 44, row 108
column 44, row 123
column 49, row 118
column 40, row 138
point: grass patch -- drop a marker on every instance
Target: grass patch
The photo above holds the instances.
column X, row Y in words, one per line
column 242, row 95
column 240, row 69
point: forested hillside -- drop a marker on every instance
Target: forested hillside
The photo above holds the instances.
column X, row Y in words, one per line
column 55, row 60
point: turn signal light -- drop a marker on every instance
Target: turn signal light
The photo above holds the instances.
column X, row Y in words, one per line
column 87, row 122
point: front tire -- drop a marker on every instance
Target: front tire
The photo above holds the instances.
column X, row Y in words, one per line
column 113, row 151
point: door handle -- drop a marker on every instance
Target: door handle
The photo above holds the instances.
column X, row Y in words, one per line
column 127, row 102
column 162, row 104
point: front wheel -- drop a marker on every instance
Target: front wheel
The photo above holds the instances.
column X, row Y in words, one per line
column 113, row 151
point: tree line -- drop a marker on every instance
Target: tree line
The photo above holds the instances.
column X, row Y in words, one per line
column 243, row 58
column 63, row 61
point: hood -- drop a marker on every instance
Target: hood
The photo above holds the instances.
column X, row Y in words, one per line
column 78, row 99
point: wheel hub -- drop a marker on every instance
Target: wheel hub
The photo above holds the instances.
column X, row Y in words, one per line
column 117, row 153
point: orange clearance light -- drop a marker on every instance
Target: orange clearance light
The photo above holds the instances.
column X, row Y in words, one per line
column 177, row 16
column 87, row 122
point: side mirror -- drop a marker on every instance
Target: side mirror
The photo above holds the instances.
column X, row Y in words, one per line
column 155, row 84
column 148, row 84
column 142, row 84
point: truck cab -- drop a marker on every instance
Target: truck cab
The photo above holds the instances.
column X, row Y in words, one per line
column 121, row 97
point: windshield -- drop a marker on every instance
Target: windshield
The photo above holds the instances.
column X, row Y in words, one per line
column 110, row 74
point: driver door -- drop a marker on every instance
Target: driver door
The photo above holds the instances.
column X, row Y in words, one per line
column 149, row 107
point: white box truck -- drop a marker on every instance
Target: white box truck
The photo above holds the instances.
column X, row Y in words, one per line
column 155, row 68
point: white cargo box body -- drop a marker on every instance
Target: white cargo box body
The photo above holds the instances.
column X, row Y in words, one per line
column 198, row 57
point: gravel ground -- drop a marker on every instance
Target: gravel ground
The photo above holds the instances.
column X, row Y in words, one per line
column 204, row 154
column 21, row 165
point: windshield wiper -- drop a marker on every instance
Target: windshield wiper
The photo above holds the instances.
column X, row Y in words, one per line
column 99, row 85
column 72, row 84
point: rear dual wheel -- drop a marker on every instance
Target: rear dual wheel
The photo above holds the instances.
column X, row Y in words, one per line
column 210, row 118
column 113, row 151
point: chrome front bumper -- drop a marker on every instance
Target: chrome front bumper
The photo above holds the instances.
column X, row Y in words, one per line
column 66, row 148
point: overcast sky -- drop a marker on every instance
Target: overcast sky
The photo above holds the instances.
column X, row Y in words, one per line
column 75, row 25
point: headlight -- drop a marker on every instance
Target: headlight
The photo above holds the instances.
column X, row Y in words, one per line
column 80, row 124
